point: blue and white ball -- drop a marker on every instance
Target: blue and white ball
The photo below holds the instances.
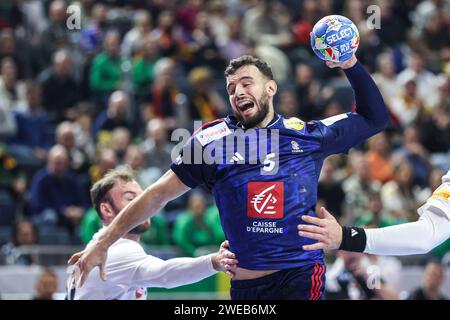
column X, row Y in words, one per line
column 334, row 38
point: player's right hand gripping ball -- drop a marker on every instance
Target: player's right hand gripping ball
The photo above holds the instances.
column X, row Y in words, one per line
column 334, row 38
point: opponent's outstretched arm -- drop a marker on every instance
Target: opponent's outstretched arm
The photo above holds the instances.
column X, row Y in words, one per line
column 419, row 237
column 154, row 272
column 152, row 200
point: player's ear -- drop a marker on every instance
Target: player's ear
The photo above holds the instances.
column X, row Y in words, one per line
column 106, row 211
column 271, row 88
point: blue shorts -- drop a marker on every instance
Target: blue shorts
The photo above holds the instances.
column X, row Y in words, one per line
column 300, row 283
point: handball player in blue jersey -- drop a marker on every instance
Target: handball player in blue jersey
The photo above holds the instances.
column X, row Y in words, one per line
column 263, row 189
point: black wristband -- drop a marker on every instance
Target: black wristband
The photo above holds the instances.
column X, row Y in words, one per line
column 353, row 239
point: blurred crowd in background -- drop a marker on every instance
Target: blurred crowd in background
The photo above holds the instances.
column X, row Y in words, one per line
column 78, row 100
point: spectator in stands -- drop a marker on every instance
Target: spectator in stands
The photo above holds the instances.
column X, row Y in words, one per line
column 12, row 187
column 10, row 49
column 205, row 103
column 233, row 47
column 56, row 36
column 435, row 129
column 60, row 90
column 308, row 90
column 172, row 42
column 376, row 216
column 12, row 90
column 330, row 190
column 32, row 140
column 8, row 125
column 157, row 150
column 386, row 78
column 120, row 140
column 46, row 286
column 413, row 151
column 332, row 108
column 56, row 196
column 91, row 38
column 144, row 67
column 90, row 224
column 134, row 158
column 65, row 136
column 425, row 80
column 34, row 20
column 115, row 116
column 433, row 42
column 203, row 45
column 107, row 160
column 289, row 106
column 443, row 85
column 158, row 234
column 400, row 196
column 397, row 26
column 262, row 24
column 24, row 233
column 349, row 278
column 194, row 228
column 357, row 187
column 433, row 278
column 407, row 105
column 164, row 93
column 106, row 69
column 379, row 158
column 141, row 30
column 82, row 127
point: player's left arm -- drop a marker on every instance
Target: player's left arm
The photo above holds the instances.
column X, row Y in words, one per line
column 154, row 272
column 371, row 116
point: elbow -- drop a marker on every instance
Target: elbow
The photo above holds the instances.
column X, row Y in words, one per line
column 383, row 120
column 423, row 247
column 166, row 282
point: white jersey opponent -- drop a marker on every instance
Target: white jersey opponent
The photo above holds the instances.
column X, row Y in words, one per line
column 430, row 230
column 131, row 271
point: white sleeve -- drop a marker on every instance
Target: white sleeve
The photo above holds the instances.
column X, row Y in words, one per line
column 419, row 237
column 154, row 272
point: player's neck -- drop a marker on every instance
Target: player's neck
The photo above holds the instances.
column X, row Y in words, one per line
column 132, row 236
column 268, row 119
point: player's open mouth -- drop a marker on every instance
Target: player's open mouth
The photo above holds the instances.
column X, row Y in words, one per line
column 246, row 107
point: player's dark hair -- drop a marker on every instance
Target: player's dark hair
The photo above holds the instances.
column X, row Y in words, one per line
column 247, row 60
column 100, row 189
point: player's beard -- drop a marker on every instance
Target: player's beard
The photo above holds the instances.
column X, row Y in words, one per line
column 140, row 229
column 261, row 114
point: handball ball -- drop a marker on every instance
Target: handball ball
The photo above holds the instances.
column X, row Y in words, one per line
column 334, row 38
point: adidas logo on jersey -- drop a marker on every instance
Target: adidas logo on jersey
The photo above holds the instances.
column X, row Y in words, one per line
column 354, row 232
column 236, row 158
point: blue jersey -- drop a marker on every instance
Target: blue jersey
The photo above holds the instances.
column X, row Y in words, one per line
column 262, row 194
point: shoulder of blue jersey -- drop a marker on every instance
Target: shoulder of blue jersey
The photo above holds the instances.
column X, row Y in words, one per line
column 329, row 121
column 211, row 131
column 294, row 124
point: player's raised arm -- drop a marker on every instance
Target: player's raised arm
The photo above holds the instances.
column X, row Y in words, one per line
column 152, row 200
column 344, row 131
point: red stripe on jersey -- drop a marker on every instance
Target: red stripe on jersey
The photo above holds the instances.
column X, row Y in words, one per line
column 205, row 124
column 320, row 282
column 313, row 282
